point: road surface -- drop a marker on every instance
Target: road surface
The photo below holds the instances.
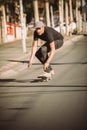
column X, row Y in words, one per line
column 60, row 104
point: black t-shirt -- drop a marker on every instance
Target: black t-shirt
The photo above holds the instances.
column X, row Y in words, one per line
column 49, row 35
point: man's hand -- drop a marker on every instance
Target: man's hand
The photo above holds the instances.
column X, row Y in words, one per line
column 29, row 64
column 46, row 65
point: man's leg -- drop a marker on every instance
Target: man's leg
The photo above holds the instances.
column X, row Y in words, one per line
column 42, row 55
column 58, row 44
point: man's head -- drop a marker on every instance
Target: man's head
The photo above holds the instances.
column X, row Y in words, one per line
column 39, row 26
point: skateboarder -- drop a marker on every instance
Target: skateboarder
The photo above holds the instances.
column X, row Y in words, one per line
column 53, row 40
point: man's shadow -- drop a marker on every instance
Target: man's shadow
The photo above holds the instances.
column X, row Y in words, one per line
column 55, row 63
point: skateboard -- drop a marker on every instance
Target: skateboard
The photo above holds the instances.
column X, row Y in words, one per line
column 45, row 78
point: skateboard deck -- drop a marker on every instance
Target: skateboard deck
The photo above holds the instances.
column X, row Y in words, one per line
column 44, row 78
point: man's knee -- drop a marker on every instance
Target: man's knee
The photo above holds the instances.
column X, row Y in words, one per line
column 58, row 44
column 38, row 53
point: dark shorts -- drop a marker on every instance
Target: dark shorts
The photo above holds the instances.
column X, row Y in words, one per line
column 58, row 43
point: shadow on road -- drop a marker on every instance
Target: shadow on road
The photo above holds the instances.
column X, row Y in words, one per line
column 4, row 83
column 65, row 63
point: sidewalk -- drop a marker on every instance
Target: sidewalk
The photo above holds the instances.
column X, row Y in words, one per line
column 12, row 58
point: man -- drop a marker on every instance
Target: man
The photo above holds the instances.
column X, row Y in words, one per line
column 54, row 40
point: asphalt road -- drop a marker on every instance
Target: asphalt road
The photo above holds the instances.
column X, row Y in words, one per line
column 60, row 104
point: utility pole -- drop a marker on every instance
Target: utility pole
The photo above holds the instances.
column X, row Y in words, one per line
column 23, row 37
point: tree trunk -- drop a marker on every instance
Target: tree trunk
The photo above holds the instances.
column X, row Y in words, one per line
column 61, row 15
column 78, row 17
column 4, row 30
column 47, row 13
column 71, row 14
column 66, row 17
column 36, row 12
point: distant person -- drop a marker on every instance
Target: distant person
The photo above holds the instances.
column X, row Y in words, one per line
column 53, row 39
column 72, row 26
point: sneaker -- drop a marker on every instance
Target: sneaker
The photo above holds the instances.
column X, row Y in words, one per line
column 52, row 72
column 48, row 75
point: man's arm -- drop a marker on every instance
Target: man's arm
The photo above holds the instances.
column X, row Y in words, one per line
column 51, row 54
column 34, row 48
